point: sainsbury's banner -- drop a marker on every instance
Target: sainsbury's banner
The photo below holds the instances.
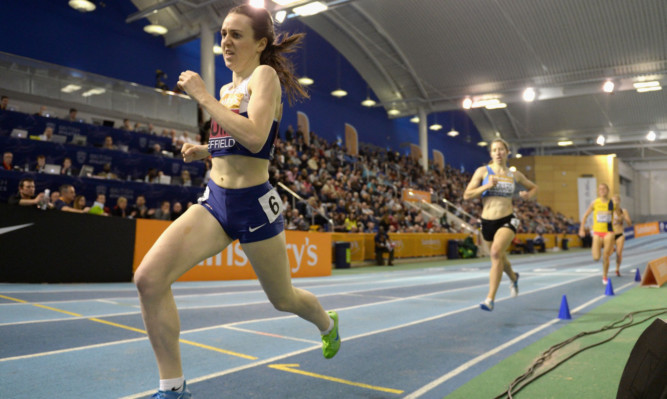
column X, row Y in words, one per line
column 646, row 229
column 309, row 255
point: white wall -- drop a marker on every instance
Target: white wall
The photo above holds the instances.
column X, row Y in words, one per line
column 650, row 192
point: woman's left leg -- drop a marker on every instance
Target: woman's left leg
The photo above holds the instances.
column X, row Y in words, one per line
column 620, row 243
column 269, row 260
column 499, row 262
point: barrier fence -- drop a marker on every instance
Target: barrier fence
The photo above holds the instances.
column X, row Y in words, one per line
column 60, row 247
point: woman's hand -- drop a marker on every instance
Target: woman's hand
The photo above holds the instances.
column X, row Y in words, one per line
column 193, row 152
column 193, row 84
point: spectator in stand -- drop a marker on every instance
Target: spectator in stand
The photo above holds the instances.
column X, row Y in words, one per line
column 383, row 244
column 176, row 210
column 4, row 103
column 120, row 209
column 53, row 198
column 126, row 125
column 48, row 134
column 100, row 202
column 186, row 180
column 42, row 111
column 140, row 210
column 108, row 143
column 79, row 202
column 106, row 173
column 67, row 169
column 40, row 167
column 66, row 201
column 71, row 117
column 164, row 212
column 156, row 150
column 26, row 194
column 7, row 159
column 153, row 176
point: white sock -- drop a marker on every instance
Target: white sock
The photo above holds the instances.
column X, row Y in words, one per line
column 172, row 384
column 331, row 326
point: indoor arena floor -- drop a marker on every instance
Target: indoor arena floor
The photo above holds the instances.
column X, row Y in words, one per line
column 411, row 331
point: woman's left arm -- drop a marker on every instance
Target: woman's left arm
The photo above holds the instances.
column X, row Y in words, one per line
column 252, row 131
column 532, row 187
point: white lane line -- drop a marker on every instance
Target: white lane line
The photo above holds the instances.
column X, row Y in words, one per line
column 68, row 350
column 465, row 366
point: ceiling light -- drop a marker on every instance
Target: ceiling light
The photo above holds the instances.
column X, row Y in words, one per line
column 608, row 87
column 93, row 92
column 368, row 102
column 280, row 16
column 565, row 143
column 645, row 89
column 155, row 29
column 529, row 94
column 452, row 133
column 651, row 136
column 287, row 3
column 512, row 168
column 393, row 112
column 305, row 81
column 467, row 103
column 436, row 126
column 414, row 119
column 497, row 105
column 600, row 140
column 257, row 3
column 310, row 9
column 482, row 144
column 217, row 50
column 485, row 102
column 641, row 85
column 518, row 155
column 82, row 5
column 339, row 93
column 70, row 88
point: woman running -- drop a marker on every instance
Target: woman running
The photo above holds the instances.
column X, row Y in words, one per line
column 621, row 216
column 603, row 232
column 239, row 203
column 495, row 183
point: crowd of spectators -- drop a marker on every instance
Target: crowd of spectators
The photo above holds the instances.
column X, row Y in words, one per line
column 339, row 192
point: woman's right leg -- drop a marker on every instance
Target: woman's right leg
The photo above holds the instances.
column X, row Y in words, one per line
column 620, row 243
column 595, row 247
column 193, row 237
column 501, row 241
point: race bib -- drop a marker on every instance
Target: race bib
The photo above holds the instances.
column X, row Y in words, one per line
column 271, row 204
column 604, row 217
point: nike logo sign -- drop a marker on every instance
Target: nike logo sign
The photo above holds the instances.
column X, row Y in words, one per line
column 252, row 229
column 4, row 230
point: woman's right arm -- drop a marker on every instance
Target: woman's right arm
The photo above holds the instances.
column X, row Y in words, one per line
column 475, row 189
column 583, row 219
column 194, row 152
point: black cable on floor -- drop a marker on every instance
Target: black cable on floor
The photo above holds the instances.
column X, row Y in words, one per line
column 523, row 380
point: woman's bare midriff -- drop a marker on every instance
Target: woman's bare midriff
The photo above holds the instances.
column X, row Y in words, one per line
column 496, row 207
column 237, row 171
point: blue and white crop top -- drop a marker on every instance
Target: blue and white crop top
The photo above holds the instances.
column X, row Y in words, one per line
column 504, row 187
column 221, row 143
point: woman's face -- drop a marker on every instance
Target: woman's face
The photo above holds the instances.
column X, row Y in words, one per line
column 603, row 190
column 239, row 47
column 82, row 202
column 498, row 152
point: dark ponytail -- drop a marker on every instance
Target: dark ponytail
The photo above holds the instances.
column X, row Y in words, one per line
column 276, row 47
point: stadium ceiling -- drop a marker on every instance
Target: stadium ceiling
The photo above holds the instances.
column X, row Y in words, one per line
column 434, row 54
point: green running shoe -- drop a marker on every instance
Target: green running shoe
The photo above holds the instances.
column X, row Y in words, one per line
column 331, row 341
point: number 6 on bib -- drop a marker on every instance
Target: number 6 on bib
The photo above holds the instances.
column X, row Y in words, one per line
column 271, row 204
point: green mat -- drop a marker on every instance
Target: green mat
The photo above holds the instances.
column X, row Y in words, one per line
column 594, row 373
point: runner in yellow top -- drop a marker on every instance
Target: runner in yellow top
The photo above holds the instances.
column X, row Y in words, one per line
column 621, row 216
column 603, row 233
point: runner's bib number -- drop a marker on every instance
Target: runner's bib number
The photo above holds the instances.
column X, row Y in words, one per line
column 272, row 204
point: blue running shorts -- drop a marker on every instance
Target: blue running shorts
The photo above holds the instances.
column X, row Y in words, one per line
column 248, row 214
